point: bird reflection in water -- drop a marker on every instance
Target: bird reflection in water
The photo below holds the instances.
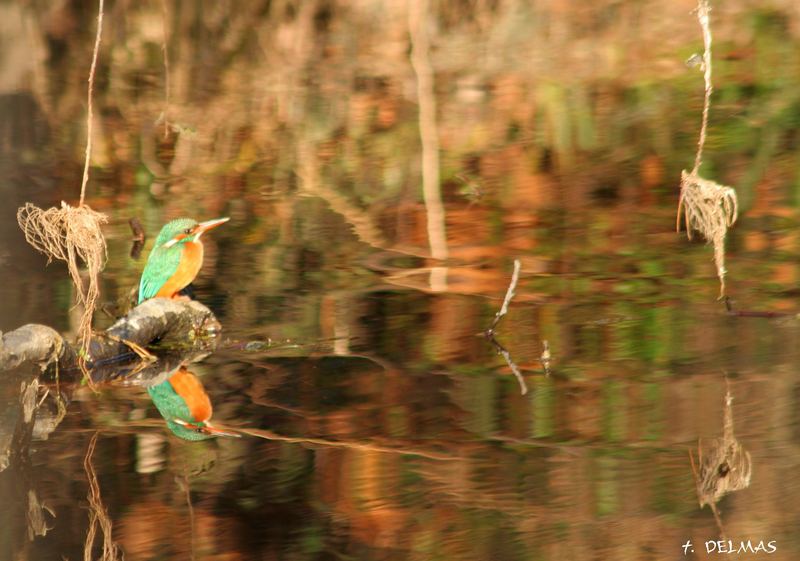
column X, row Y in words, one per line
column 183, row 402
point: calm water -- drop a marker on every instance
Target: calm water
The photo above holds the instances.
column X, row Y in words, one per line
column 396, row 429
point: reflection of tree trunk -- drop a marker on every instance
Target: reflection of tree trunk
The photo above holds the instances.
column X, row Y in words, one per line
column 420, row 60
column 308, row 170
column 363, row 223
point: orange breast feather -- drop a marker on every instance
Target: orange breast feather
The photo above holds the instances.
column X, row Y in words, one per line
column 191, row 261
column 189, row 387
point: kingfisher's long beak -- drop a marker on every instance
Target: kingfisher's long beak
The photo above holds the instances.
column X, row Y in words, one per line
column 203, row 227
column 208, row 429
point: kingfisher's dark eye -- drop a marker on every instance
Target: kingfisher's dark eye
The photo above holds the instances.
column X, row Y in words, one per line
column 187, row 231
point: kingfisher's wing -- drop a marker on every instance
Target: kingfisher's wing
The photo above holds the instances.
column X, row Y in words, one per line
column 161, row 265
column 169, row 404
column 172, row 407
column 189, row 387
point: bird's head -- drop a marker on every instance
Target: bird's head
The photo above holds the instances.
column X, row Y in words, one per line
column 183, row 230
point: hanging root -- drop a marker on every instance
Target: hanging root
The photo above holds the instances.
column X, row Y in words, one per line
column 98, row 514
column 708, row 208
column 70, row 234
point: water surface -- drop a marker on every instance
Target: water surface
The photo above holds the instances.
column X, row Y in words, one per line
column 561, row 132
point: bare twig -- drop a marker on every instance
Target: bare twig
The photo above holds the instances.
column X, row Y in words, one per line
column 502, row 351
column 507, row 300
column 489, row 333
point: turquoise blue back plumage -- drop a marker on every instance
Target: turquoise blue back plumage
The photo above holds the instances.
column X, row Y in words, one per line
column 163, row 261
column 168, row 402
column 172, row 406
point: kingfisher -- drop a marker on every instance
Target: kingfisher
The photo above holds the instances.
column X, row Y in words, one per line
column 183, row 402
column 176, row 258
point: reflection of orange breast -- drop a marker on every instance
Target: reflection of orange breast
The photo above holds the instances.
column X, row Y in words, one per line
column 189, row 266
column 189, row 387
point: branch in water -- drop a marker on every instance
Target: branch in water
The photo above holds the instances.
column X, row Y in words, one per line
column 489, row 333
